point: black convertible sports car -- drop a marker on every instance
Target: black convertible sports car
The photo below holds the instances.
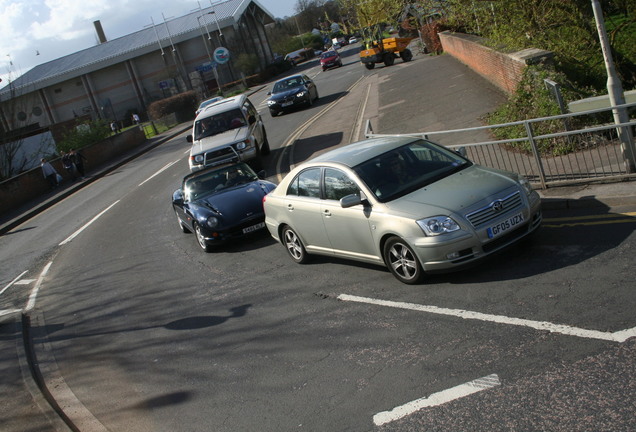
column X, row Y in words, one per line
column 291, row 92
column 221, row 203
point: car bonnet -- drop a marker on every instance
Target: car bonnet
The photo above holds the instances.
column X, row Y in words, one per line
column 455, row 193
column 287, row 93
column 222, row 139
column 238, row 202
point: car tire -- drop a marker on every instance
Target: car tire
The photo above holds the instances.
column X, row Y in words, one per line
column 402, row 261
column 369, row 65
column 293, row 245
column 273, row 113
column 184, row 228
column 316, row 98
column 201, row 237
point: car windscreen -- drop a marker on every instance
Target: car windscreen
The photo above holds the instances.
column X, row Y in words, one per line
column 285, row 85
column 219, row 123
column 214, row 181
column 405, row 169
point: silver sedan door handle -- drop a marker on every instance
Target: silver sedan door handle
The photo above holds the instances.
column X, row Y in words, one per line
column 326, row 212
column 290, row 207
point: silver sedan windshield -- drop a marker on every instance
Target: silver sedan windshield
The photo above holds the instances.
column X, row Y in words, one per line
column 407, row 168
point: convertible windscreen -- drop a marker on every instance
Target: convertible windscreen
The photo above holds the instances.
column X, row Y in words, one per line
column 407, row 168
column 217, row 180
column 219, row 123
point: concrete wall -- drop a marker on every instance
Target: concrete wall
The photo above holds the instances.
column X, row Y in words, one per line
column 502, row 69
column 19, row 190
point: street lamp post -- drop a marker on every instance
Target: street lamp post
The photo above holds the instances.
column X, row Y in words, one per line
column 615, row 91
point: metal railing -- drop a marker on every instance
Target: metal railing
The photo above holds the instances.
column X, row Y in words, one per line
column 558, row 154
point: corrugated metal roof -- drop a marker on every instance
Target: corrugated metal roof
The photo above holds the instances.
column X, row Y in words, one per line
column 132, row 45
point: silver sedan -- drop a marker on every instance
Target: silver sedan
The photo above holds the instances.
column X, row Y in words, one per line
column 402, row 202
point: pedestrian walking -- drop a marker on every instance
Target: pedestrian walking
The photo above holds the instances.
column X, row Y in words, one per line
column 78, row 159
column 135, row 118
column 114, row 127
column 50, row 174
column 69, row 166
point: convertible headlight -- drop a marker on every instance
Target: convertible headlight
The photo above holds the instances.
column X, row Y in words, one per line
column 212, row 222
column 525, row 184
column 301, row 94
column 438, row 225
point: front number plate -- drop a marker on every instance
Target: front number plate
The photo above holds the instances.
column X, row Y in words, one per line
column 253, row 228
column 286, row 104
column 504, row 226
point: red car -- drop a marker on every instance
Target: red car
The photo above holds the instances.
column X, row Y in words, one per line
column 330, row 59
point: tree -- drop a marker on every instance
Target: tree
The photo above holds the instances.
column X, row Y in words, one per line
column 21, row 147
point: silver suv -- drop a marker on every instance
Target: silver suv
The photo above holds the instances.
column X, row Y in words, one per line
column 230, row 126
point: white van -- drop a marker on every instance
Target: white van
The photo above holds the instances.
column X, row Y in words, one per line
column 224, row 129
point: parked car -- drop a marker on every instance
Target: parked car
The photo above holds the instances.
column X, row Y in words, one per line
column 221, row 203
column 230, row 123
column 330, row 59
column 353, row 39
column 291, row 92
column 208, row 102
column 402, row 202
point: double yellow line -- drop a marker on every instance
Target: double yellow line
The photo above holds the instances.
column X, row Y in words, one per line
column 604, row 219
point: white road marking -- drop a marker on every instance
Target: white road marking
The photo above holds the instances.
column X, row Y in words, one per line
column 159, row 172
column 618, row 336
column 12, row 282
column 5, row 312
column 438, row 398
column 76, row 233
column 25, row 281
column 36, row 288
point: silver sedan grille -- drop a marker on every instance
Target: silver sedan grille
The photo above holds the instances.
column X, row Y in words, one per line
column 495, row 209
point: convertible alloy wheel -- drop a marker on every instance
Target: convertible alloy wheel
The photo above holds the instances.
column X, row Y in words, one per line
column 201, row 238
column 402, row 262
column 294, row 246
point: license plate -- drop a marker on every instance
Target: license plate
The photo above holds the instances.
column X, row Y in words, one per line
column 286, row 104
column 253, row 228
column 504, row 226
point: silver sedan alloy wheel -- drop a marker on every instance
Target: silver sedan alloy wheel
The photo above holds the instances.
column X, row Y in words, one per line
column 402, row 261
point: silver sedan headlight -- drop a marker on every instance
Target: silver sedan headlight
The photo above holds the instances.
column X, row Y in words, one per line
column 198, row 159
column 438, row 225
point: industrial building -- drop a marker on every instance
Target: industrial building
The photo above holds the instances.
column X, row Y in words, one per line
column 124, row 75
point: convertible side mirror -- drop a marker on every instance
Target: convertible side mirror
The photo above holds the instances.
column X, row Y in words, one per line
column 177, row 197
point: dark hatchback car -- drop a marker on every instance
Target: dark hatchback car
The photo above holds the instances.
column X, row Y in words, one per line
column 330, row 59
column 291, row 92
column 221, row 203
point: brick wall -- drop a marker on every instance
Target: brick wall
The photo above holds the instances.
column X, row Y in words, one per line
column 502, row 69
column 19, row 190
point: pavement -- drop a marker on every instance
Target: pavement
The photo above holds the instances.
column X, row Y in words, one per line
column 28, row 405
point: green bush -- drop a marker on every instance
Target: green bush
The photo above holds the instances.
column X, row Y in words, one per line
column 84, row 134
column 184, row 105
